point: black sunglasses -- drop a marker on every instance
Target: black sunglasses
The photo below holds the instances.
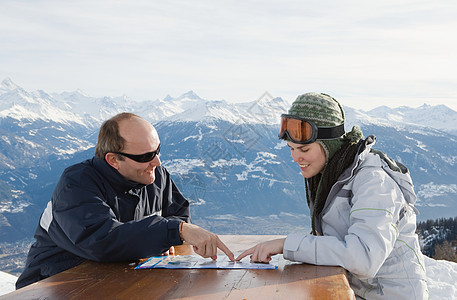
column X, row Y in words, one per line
column 141, row 158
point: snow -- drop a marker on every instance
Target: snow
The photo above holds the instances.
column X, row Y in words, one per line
column 182, row 166
column 432, row 190
column 78, row 107
column 7, row 283
column 441, row 277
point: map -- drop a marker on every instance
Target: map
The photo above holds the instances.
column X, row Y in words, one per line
column 198, row 262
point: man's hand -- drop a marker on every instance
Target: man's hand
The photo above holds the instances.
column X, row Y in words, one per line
column 264, row 251
column 170, row 251
column 204, row 242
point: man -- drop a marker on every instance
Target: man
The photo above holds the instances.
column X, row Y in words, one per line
column 120, row 205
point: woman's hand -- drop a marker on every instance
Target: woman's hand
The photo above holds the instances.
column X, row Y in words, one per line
column 264, row 251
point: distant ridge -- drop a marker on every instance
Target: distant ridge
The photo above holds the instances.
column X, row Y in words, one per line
column 91, row 111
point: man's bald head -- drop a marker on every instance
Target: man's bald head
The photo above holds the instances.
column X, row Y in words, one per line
column 119, row 131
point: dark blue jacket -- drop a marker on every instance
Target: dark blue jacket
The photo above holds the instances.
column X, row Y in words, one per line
column 96, row 214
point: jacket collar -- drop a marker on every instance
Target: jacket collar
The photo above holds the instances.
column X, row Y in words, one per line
column 362, row 153
column 114, row 178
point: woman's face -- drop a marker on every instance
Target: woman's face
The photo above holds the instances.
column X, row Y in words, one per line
column 310, row 157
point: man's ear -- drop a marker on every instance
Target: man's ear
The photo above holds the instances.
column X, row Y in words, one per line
column 112, row 160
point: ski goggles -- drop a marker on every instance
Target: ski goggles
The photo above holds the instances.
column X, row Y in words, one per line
column 303, row 131
column 141, row 158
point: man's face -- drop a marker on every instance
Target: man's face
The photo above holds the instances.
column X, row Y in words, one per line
column 140, row 137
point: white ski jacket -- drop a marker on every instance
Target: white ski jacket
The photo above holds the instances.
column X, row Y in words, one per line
column 368, row 227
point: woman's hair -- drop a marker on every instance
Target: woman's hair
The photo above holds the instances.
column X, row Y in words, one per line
column 109, row 138
column 318, row 187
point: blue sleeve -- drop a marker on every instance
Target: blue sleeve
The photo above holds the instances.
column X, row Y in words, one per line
column 174, row 203
column 85, row 225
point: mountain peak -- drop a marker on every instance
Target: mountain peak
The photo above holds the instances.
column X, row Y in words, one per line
column 381, row 110
column 190, row 95
column 168, row 98
column 440, row 107
column 80, row 92
column 8, row 84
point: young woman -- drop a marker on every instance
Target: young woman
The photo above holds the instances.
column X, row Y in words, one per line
column 361, row 205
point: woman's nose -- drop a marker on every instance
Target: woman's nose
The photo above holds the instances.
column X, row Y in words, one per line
column 295, row 157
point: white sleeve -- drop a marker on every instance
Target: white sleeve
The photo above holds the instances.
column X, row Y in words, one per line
column 371, row 234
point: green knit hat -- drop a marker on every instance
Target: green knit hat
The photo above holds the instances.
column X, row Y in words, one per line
column 323, row 110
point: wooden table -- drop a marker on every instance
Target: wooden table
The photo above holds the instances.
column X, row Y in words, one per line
column 92, row 280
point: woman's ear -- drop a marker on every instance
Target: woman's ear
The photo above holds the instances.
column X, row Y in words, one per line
column 112, row 160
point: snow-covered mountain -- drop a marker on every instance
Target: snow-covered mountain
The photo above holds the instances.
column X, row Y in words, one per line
column 78, row 107
column 225, row 157
column 439, row 116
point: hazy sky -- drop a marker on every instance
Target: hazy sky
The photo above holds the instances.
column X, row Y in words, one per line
column 364, row 53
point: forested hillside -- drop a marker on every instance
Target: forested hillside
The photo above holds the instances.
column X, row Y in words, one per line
column 439, row 238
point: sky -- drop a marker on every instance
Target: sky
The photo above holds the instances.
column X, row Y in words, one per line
column 364, row 53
